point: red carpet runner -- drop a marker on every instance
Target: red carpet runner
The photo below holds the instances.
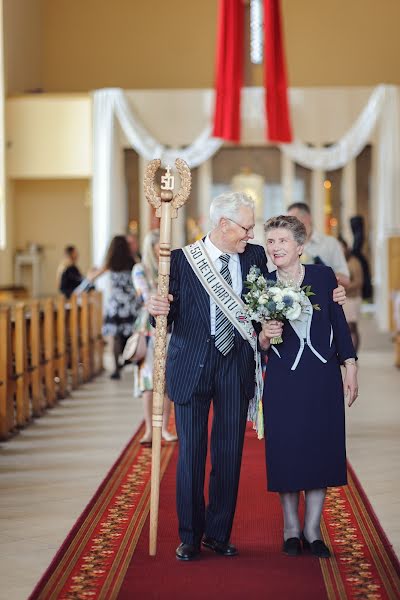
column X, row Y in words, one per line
column 106, row 554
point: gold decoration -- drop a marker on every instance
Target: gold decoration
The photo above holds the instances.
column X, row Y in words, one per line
column 150, row 191
column 186, row 184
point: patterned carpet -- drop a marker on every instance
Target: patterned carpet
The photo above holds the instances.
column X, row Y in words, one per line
column 106, row 554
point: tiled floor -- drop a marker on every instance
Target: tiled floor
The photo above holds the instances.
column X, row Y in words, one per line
column 51, row 469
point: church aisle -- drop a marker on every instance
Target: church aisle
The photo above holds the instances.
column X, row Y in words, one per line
column 51, row 469
column 49, row 472
column 373, row 428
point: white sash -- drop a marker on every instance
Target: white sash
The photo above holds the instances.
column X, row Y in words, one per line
column 234, row 309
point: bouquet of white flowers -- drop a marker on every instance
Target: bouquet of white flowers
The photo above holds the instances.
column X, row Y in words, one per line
column 268, row 299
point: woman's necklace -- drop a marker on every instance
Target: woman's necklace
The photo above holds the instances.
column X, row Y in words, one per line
column 298, row 281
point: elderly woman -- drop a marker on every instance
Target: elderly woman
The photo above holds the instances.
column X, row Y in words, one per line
column 304, row 392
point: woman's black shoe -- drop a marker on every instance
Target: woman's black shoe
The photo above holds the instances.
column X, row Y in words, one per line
column 317, row 548
column 115, row 375
column 292, row 546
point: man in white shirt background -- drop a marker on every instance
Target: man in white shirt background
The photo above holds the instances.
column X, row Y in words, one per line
column 319, row 247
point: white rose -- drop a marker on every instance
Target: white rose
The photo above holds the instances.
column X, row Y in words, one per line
column 274, row 289
column 280, row 305
column 277, row 296
column 263, row 299
column 293, row 312
column 292, row 294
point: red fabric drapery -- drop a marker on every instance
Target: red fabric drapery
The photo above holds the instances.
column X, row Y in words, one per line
column 229, row 70
column 276, row 102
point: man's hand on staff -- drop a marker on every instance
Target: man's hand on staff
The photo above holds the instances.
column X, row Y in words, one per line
column 158, row 305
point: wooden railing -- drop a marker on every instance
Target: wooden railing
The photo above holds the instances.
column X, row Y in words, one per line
column 47, row 348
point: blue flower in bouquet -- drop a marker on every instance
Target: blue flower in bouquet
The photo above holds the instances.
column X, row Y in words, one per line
column 287, row 300
column 271, row 306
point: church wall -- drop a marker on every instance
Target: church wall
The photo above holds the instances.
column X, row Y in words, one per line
column 53, row 213
column 49, row 136
column 159, row 45
column 130, row 44
column 22, row 45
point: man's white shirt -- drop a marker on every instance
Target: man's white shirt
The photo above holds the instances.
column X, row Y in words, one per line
column 329, row 250
column 234, row 269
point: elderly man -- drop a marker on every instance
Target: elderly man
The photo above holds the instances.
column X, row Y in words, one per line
column 210, row 358
column 319, row 247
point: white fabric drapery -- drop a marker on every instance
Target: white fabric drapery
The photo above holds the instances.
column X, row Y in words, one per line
column 113, row 115
column 345, row 149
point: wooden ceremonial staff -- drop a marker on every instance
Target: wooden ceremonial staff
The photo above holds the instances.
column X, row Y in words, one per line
column 166, row 205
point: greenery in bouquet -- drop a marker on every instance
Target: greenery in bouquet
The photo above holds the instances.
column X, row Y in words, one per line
column 267, row 299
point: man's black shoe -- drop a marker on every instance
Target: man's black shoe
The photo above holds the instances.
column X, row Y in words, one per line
column 225, row 549
column 292, row 546
column 187, row 552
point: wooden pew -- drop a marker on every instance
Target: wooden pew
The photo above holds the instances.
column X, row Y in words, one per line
column 20, row 372
column 61, row 348
column 73, row 341
column 38, row 400
column 48, row 354
column 6, row 395
column 84, row 327
column 46, row 348
column 96, row 341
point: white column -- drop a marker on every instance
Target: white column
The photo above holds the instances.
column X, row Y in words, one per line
column 204, row 194
column 349, row 199
column 318, row 199
column 288, row 173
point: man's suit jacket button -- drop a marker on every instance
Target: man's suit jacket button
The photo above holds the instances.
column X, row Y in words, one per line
column 208, row 339
column 201, row 365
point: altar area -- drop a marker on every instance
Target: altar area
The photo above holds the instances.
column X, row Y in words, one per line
column 86, row 140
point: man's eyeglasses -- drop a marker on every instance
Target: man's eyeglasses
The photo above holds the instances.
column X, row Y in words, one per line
column 245, row 229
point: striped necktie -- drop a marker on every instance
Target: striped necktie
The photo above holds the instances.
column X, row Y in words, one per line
column 224, row 330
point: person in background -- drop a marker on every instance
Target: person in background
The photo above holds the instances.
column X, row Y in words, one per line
column 145, row 279
column 352, row 308
column 320, row 248
column 133, row 244
column 69, row 276
column 121, row 308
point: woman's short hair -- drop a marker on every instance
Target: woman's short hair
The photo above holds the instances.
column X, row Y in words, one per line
column 227, row 205
column 291, row 224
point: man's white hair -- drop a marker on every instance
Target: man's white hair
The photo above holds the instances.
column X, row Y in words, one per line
column 227, row 205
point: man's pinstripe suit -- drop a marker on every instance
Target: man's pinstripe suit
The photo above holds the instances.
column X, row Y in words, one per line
column 196, row 374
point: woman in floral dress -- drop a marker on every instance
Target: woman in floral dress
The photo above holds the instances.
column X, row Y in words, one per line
column 121, row 309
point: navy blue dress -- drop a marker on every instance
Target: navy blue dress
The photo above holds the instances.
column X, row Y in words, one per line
column 303, row 396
